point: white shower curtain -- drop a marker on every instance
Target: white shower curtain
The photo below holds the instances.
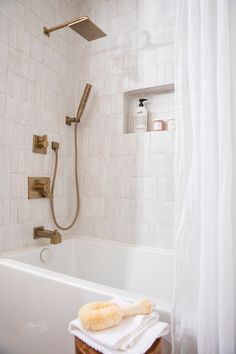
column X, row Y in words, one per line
column 203, row 313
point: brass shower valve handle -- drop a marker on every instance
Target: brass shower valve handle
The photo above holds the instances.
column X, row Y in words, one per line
column 43, row 188
column 40, row 144
column 43, row 141
column 39, row 187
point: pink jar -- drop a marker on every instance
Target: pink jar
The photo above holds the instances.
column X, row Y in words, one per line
column 158, row 125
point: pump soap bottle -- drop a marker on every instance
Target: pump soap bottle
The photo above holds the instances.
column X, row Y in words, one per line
column 141, row 117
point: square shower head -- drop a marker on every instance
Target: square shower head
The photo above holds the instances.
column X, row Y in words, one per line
column 87, row 29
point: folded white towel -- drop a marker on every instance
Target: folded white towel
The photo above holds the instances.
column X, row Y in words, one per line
column 134, row 335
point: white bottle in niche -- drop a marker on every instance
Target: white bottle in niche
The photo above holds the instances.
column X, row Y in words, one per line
column 141, row 117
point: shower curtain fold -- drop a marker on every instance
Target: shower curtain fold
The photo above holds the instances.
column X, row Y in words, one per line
column 203, row 309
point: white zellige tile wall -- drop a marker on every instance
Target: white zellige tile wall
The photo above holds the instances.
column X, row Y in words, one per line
column 37, row 87
column 127, row 180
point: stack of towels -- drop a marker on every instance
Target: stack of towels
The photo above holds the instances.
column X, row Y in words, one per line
column 134, row 335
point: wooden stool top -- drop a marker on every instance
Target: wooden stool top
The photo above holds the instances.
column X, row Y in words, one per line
column 82, row 348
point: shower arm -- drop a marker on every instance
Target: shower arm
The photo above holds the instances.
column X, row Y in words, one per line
column 47, row 31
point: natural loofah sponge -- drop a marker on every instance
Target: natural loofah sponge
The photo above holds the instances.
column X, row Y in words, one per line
column 100, row 315
column 97, row 316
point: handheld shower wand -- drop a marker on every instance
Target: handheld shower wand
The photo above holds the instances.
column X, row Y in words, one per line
column 83, row 101
column 81, row 107
column 55, row 147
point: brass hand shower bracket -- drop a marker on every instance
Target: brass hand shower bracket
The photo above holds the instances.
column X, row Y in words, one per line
column 69, row 120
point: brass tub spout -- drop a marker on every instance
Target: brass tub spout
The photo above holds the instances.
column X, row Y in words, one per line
column 54, row 236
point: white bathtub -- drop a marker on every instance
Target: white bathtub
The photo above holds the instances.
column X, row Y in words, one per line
column 38, row 300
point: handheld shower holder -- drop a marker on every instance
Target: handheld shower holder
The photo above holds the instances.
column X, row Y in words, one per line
column 69, row 120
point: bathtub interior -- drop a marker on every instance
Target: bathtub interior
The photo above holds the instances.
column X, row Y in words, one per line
column 60, row 258
column 141, row 270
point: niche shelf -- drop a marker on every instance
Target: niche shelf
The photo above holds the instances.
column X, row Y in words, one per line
column 160, row 105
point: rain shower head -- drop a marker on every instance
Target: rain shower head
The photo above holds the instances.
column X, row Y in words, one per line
column 82, row 25
column 87, row 29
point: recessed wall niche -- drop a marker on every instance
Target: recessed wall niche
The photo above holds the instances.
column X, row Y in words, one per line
column 160, row 105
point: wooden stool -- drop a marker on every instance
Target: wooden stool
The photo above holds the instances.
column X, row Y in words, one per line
column 82, row 348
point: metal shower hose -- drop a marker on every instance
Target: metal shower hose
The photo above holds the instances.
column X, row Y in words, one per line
column 76, row 184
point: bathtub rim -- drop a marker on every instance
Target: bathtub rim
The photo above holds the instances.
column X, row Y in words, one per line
column 46, row 243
